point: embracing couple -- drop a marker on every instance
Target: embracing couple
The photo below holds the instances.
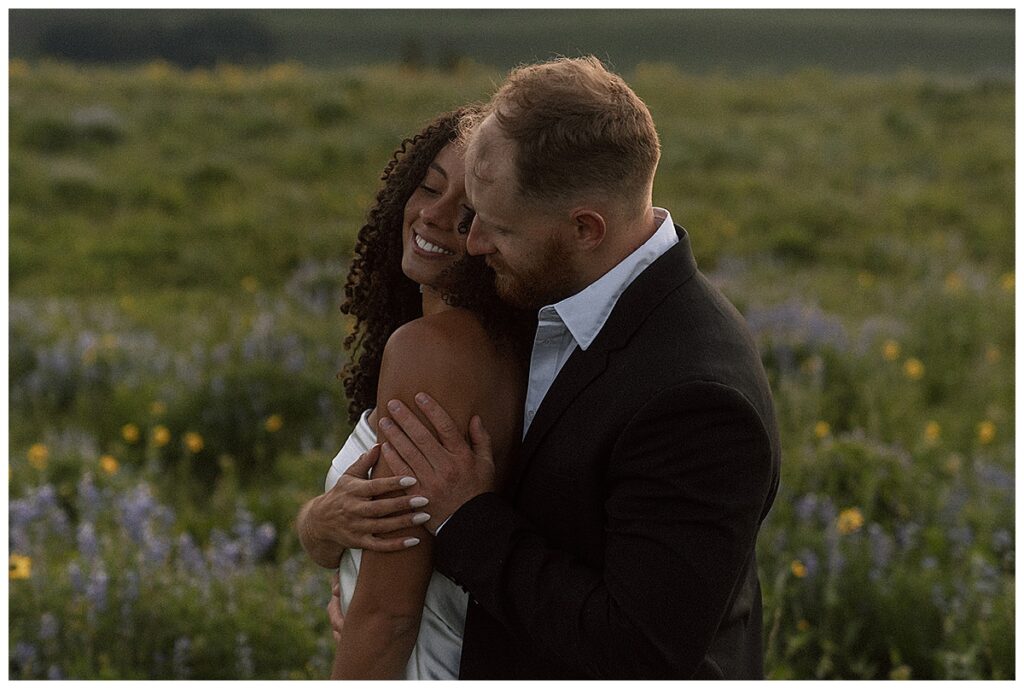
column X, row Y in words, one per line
column 570, row 431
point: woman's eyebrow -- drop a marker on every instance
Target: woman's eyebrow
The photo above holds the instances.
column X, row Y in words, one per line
column 440, row 169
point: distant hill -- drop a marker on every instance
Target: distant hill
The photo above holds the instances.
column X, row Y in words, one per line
column 733, row 41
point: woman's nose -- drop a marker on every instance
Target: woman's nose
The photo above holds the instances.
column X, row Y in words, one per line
column 440, row 213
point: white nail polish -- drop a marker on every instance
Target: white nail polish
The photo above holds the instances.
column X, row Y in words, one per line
column 418, row 501
column 420, row 518
column 407, row 481
column 410, row 542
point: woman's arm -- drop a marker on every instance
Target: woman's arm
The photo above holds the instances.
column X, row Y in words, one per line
column 382, row 621
column 352, row 513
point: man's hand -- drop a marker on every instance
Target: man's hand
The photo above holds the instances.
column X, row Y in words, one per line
column 334, row 610
column 349, row 515
column 449, row 471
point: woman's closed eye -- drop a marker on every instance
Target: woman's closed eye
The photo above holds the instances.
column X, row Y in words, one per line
column 429, row 190
column 465, row 220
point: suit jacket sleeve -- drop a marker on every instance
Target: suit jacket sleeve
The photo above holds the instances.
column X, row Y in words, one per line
column 686, row 485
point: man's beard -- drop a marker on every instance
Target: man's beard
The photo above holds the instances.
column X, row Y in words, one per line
column 547, row 281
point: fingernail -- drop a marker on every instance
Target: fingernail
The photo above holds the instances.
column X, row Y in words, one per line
column 410, row 542
column 393, row 405
column 421, row 398
column 420, row 518
column 407, row 481
column 418, row 501
column 385, row 422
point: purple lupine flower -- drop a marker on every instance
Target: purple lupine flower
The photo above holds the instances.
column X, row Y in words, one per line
column 24, row 655
column 54, row 673
column 190, row 556
column 881, row 545
column 48, row 627
column 75, row 577
column 1002, row 540
column 155, row 548
column 244, row 666
column 929, row 562
column 180, row 658
column 263, row 539
column 96, row 589
column 806, row 506
column 906, row 535
column 810, row 561
column 87, row 543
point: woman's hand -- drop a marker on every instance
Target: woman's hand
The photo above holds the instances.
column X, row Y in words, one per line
column 351, row 514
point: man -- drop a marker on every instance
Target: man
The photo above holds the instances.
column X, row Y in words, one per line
column 622, row 544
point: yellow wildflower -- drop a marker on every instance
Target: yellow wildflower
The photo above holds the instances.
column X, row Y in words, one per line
column 1007, row 282
column 913, row 369
column 891, row 350
column 986, row 432
column 273, row 423
column 108, row 464
column 850, row 520
column 954, row 283
column 194, row 442
column 798, row 569
column 250, row 284
column 38, row 456
column 109, row 340
column 126, row 302
column 161, row 436
column 130, row 433
column 803, row 626
column 20, row 566
column 822, row 429
column 992, row 354
column 865, row 279
column 900, row 672
column 953, row 464
column 158, row 408
column 932, row 431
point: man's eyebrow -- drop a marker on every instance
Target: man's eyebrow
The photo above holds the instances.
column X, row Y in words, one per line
column 440, row 169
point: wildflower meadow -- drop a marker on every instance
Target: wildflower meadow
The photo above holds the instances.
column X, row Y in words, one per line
column 179, row 241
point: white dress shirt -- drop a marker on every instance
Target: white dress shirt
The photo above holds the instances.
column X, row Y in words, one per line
column 575, row 321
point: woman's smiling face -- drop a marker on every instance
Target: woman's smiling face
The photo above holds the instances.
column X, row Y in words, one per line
column 437, row 217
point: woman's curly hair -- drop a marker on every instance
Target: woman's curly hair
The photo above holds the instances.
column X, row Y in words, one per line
column 382, row 298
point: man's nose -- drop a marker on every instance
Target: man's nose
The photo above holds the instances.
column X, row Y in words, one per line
column 477, row 242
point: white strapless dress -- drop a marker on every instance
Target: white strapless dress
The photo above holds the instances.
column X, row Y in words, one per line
column 438, row 648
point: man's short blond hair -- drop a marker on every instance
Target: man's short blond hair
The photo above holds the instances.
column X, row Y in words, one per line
column 577, row 130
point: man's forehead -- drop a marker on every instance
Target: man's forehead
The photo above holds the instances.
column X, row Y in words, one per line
column 489, row 153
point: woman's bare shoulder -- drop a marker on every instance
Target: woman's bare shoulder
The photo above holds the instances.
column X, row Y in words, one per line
column 453, row 338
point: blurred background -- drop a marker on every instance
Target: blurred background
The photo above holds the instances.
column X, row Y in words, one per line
column 185, row 190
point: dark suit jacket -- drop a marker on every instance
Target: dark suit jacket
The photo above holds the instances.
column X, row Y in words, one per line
column 623, row 544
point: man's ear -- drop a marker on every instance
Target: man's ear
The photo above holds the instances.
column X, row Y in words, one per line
column 590, row 228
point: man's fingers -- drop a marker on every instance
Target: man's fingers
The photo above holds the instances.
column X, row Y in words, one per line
column 398, row 442
column 446, row 429
column 395, row 462
column 480, row 438
column 412, row 429
column 361, row 467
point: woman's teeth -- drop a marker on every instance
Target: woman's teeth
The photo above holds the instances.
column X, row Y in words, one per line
column 431, row 248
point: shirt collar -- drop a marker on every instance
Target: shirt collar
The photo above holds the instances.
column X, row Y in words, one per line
column 585, row 313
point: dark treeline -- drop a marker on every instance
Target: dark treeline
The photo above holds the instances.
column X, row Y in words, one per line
column 699, row 40
column 208, row 38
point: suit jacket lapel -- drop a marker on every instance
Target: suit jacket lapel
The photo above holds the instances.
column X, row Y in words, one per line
column 648, row 290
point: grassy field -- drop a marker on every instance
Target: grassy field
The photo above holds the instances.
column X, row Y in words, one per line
column 178, row 241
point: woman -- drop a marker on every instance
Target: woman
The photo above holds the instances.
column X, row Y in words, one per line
column 427, row 319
